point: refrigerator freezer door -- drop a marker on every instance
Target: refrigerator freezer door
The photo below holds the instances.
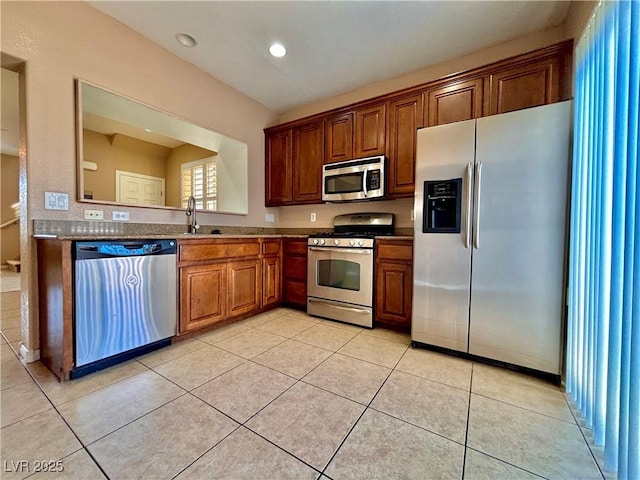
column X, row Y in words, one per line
column 518, row 268
column 442, row 261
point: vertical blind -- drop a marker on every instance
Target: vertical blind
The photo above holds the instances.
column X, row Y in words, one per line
column 603, row 334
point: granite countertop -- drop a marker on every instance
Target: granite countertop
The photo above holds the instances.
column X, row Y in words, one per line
column 139, row 236
column 105, row 230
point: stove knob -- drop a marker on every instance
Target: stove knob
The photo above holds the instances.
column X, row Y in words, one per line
column 359, row 243
column 315, row 241
column 322, row 241
column 352, row 242
column 336, row 242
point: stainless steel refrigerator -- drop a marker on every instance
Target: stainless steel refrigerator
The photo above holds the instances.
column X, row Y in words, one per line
column 490, row 236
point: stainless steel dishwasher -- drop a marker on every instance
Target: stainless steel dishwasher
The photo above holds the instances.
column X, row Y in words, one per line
column 125, row 300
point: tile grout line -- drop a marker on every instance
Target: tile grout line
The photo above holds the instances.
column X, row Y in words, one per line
column 64, row 420
column 591, row 452
column 366, row 407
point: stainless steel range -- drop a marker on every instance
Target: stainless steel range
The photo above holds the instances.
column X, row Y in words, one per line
column 340, row 268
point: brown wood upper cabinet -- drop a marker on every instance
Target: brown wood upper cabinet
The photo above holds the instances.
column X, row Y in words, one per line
column 339, row 138
column 279, row 167
column 308, row 158
column 370, row 131
column 387, row 124
column 294, row 158
column 529, row 85
column 405, row 117
column 454, row 102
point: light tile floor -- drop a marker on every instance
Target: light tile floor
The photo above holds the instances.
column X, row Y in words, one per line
column 283, row 395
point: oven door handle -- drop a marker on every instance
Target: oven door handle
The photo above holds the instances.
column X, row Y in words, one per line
column 362, row 251
column 339, row 307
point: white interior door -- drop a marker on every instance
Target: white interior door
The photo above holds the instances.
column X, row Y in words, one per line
column 139, row 189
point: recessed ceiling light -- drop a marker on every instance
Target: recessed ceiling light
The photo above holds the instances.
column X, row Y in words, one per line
column 277, row 50
column 147, row 130
column 186, row 40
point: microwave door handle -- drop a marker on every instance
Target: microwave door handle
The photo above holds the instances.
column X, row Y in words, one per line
column 364, row 183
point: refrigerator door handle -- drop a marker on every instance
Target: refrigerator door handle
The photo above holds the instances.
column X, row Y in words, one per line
column 467, row 242
column 476, row 220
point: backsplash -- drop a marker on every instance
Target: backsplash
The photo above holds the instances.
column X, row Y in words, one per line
column 85, row 227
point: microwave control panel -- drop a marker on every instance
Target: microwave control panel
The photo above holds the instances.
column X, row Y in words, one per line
column 373, row 180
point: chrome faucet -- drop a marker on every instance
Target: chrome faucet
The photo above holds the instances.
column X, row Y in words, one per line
column 191, row 213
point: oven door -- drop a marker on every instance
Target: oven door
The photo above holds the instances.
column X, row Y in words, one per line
column 341, row 274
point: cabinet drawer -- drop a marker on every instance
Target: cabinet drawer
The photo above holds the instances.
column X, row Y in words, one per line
column 271, row 247
column 295, row 247
column 217, row 250
column 401, row 250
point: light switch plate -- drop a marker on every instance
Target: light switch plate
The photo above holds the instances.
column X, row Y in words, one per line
column 56, row 201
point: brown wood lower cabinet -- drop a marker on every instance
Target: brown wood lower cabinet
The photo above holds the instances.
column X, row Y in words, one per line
column 294, row 276
column 222, row 279
column 203, row 293
column 271, row 272
column 394, row 283
column 244, row 287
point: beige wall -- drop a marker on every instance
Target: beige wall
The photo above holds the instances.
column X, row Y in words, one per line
column 577, row 18
column 61, row 41
column 10, row 240
column 433, row 72
column 119, row 152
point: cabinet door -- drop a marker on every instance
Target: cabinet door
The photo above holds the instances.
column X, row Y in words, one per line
column 278, row 168
column 370, row 131
column 271, row 280
column 405, row 117
column 529, row 85
column 294, row 272
column 394, row 284
column 455, row 102
column 244, row 287
column 339, row 138
column 308, row 158
column 203, row 296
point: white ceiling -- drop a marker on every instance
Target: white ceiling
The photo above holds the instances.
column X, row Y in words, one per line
column 333, row 46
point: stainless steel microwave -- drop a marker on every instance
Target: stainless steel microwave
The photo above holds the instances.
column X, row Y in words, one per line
column 361, row 179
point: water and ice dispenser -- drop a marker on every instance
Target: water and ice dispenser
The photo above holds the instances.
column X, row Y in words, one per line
column 442, row 206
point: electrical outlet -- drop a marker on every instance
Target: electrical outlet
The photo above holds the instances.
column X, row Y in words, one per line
column 269, row 217
column 120, row 216
column 413, row 214
column 93, row 215
column 56, row 201
column 313, row 216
